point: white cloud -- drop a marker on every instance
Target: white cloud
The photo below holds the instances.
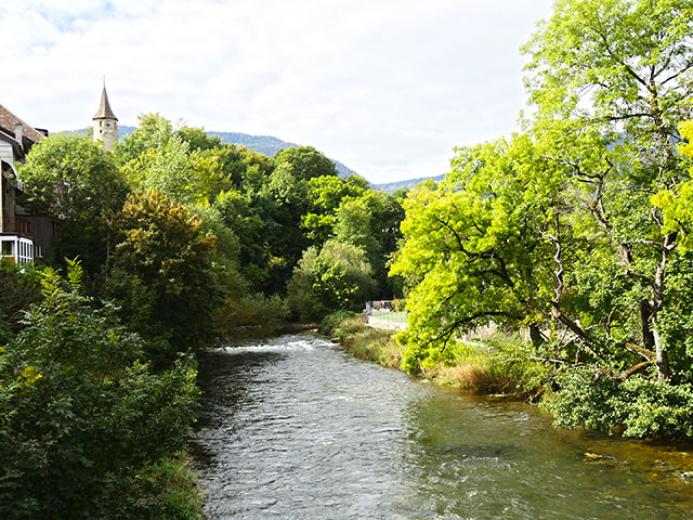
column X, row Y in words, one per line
column 388, row 87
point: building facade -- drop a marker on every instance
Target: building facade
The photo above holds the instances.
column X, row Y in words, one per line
column 24, row 237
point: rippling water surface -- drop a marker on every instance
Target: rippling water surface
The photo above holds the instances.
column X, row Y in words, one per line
column 294, row 428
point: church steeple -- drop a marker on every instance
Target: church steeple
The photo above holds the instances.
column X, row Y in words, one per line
column 105, row 123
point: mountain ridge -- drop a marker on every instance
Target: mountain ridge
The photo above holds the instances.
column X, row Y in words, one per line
column 270, row 145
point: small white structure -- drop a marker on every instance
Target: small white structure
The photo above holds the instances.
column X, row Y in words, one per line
column 17, row 248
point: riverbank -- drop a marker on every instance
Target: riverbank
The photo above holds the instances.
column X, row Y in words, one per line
column 496, row 368
column 503, row 367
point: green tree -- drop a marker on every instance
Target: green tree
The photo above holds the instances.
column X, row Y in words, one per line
column 610, row 79
column 198, row 139
column 167, row 254
column 153, row 131
column 337, row 277
column 74, row 181
column 371, row 221
column 477, row 249
column 325, row 194
column 303, row 163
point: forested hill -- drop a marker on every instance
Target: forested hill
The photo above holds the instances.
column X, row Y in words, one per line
column 270, row 145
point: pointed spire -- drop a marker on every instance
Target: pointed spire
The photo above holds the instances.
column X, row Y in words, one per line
column 104, row 111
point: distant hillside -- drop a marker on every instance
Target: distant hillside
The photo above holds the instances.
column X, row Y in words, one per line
column 270, row 145
column 266, row 144
column 391, row 187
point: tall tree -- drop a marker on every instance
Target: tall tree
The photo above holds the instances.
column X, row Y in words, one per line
column 476, row 248
column 610, row 79
column 74, row 181
column 165, row 254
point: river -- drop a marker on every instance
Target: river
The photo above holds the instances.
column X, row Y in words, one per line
column 294, row 428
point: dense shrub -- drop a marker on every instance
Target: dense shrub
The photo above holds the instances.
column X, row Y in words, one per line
column 639, row 407
column 586, row 400
column 82, row 418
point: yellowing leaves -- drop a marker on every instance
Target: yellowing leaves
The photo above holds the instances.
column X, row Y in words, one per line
column 30, row 375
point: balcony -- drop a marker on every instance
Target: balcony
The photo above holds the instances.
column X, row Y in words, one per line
column 16, row 248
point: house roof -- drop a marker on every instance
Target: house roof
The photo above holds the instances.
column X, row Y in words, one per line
column 8, row 121
column 104, row 111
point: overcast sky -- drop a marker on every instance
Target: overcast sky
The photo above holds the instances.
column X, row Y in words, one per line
column 386, row 86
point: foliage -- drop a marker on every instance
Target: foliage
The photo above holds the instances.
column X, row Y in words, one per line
column 71, row 179
column 639, row 408
column 476, row 249
column 577, row 231
column 303, row 163
column 253, row 315
column 301, row 297
column 371, row 222
column 19, row 289
column 677, row 206
column 153, row 131
column 180, row 164
column 325, row 194
column 336, row 277
column 250, row 220
column 81, row 414
column 167, row 255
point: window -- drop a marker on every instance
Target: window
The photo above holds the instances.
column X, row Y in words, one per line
column 7, row 248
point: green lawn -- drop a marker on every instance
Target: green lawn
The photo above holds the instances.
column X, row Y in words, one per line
column 395, row 317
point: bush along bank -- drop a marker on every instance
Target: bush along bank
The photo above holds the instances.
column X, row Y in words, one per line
column 86, row 423
column 638, row 408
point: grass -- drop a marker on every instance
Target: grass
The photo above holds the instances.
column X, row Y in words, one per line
column 365, row 342
column 501, row 365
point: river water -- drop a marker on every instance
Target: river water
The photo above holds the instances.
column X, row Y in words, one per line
column 294, row 428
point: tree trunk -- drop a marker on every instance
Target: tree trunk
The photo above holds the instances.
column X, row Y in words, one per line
column 661, row 358
column 535, row 335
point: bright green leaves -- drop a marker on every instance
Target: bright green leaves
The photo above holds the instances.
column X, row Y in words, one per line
column 677, row 205
column 477, row 249
column 336, row 277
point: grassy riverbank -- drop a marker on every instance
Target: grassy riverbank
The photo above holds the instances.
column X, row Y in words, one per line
column 507, row 366
column 499, row 366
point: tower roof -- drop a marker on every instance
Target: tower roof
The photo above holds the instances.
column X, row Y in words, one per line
column 104, row 111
